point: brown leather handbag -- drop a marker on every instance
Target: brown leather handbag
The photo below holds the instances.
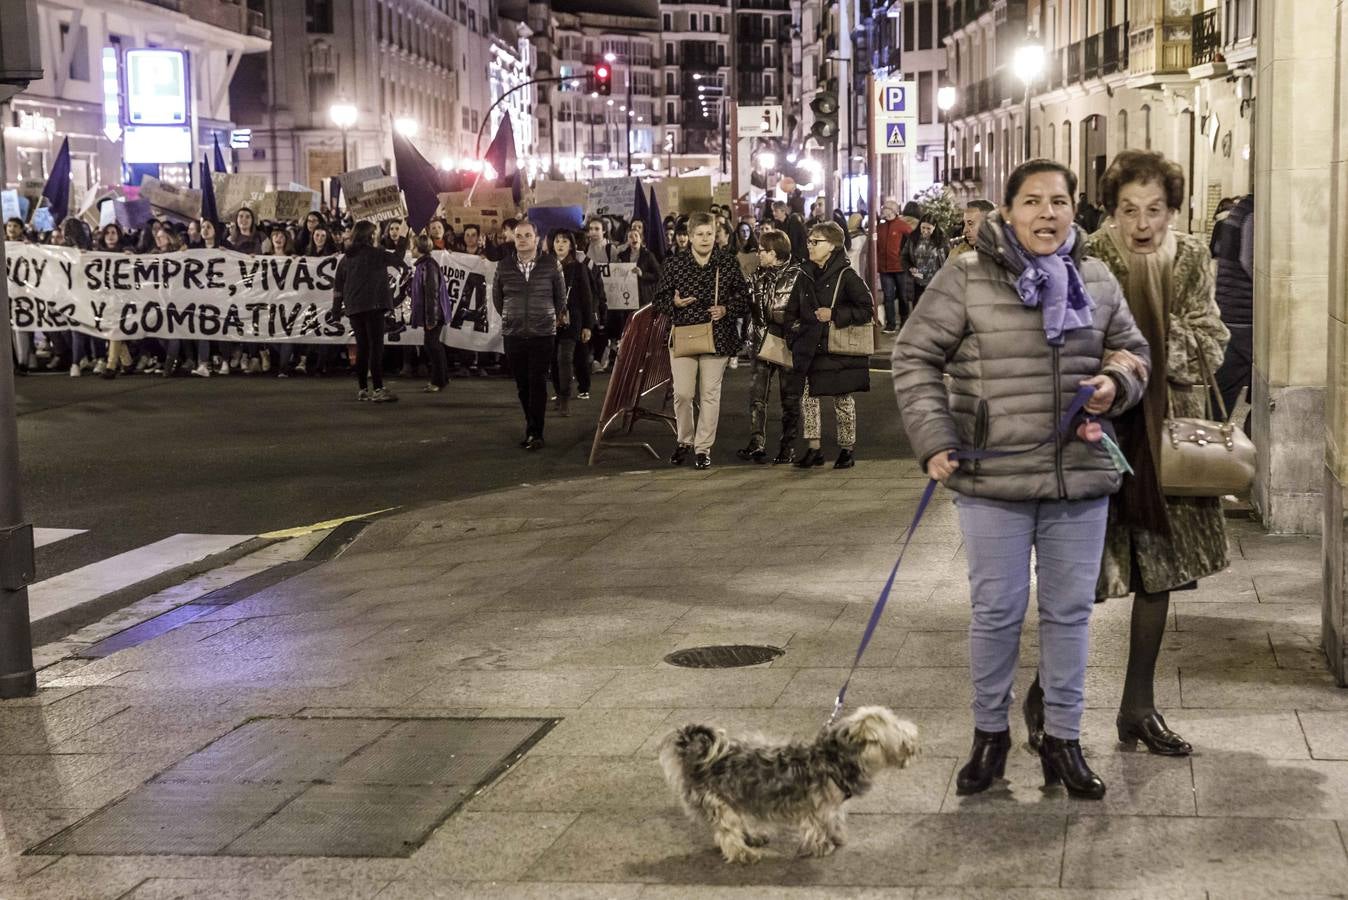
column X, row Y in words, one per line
column 1205, row 457
column 854, row 340
column 699, row 339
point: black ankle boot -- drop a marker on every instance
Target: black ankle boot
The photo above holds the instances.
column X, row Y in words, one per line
column 1034, row 713
column 1152, row 731
column 987, row 761
column 813, row 457
column 786, row 454
column 1063, row 764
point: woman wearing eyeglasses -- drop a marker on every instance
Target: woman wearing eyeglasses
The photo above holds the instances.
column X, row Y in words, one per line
column 841, row 299
column 781, row 291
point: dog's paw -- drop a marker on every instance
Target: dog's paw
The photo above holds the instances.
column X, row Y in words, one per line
column 755, row 840
column 818, row 848
column 742, row 855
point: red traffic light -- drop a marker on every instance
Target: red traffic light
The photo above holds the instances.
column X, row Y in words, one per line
column 603, row 80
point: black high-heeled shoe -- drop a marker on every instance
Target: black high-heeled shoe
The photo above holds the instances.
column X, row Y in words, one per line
column 987, row 761
column 1152, row 731
column 1034, row 713
column 1063, row 764
column 813, row 457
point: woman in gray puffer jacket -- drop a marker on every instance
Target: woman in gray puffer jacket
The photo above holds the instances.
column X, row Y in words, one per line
column 1020, row 325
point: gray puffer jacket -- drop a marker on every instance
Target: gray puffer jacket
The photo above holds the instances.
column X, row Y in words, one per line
column 1009, row 387
column 529, row 307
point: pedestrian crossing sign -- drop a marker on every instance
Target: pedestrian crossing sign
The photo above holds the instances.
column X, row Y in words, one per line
column 896, row 137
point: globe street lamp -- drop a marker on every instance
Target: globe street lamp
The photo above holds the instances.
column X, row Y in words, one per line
column 343, row 115
column 1028, row 65
column 945, row 101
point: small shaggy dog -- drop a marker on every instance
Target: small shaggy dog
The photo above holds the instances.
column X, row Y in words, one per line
column 739, row 786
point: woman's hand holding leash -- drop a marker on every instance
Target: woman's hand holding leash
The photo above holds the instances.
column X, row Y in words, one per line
column 1103, row 398
column 942, row 466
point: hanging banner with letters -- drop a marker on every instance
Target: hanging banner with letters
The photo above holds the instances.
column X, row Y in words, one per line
column 195, row 294
column 474, row 323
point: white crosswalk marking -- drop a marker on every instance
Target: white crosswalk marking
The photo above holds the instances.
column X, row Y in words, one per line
column 71, row 589
column 44, row 536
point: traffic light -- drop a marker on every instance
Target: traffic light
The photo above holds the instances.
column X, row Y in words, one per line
column 602, row 80
column 825, row 109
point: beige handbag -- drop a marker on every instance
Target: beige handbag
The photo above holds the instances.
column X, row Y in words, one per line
column 695, row 340
column 854, row 340
column 1202, row 457
column 775, row 351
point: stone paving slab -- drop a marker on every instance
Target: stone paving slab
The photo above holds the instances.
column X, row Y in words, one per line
column 560, row 601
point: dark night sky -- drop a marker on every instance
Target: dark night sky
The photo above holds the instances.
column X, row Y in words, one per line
column 620, row 7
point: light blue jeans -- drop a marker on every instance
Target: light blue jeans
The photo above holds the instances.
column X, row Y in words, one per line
column 1067, row 537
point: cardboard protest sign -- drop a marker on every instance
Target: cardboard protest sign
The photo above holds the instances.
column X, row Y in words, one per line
column 612, row 197
column 42, row 220
column 171, row 198
column 352, row 181
column 281, row 206
column 314, row 197
column 695, row 194
column 234, row 191
column 622, row 285
column 502, row 199
column 720, row 195
column 561, row 193
column 487, row 219
column 132, row 215
column 9, row 205
column 380, row 199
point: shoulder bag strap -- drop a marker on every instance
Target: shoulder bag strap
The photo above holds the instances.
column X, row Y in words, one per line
column 836, row 287
column 716, row 291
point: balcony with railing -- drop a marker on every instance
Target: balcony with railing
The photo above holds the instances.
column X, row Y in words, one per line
column 1091, row 62
column 1207, row 47
column 1115, row 52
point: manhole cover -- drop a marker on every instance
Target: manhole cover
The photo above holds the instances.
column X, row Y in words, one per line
column 726, row 657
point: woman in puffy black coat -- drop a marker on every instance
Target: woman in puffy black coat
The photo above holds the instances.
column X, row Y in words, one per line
column 841, row 299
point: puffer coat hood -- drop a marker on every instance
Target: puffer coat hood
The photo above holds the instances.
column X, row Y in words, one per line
column 1008, row 386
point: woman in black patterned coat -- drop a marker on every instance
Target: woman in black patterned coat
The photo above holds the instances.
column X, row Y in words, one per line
column 702, row 286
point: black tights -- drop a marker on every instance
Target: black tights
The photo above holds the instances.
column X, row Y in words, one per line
column 1150, row 613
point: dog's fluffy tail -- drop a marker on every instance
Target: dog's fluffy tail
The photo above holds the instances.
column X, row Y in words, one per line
column 686, row 748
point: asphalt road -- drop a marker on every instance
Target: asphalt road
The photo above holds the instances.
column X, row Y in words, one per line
column 141, row 458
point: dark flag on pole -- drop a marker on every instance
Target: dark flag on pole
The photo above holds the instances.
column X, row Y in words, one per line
column 501, row 153
column 57, row 188
column 655, row 228
column 219, row 157
column 418, row 180
column 641, row 210
column 208, row 208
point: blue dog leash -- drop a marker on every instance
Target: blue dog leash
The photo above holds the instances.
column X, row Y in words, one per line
column 1078, row 405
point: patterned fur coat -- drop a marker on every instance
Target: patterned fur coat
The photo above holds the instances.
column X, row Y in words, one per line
column 1196, row 546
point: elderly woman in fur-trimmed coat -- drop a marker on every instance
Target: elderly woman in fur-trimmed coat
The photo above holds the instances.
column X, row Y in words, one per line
column 1156, row 544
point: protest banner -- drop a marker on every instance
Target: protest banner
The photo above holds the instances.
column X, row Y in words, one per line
column 379, row 200
column 488, row 219
column 612, row 197
column 622, row 284
column 235, row 191
column 474, row 323
column 281, row 206
column 352, row 182
column 194, row 294
column 561, row 193
column 171, row 198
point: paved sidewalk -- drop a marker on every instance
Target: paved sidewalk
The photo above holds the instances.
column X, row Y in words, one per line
column 561, row 601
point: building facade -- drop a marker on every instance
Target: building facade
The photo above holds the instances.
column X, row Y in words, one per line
column 1175, row 76
column 82, row 45
column 400, row 63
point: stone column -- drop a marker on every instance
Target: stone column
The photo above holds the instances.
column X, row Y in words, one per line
column 1335, row 605
column 1293, row 144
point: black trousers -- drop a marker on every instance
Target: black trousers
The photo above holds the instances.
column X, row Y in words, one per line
column 530, row 358
column 435, row 355
column 1237, row 368
column 368, row 328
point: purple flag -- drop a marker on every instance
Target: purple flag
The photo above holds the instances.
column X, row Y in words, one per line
column 208, row 208
column 419, row 181
column 219, row 157
column 57, row 188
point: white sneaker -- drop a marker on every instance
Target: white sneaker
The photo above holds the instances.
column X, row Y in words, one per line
column 253, row 367
column 202, row 371
column 75, row 371
column 299, row 367
column 222, row 371
column 734, row 362
column 100, row 366
column 266, row 362
column 143, row 363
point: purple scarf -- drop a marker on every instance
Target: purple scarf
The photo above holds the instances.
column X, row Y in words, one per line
column 1053, row 283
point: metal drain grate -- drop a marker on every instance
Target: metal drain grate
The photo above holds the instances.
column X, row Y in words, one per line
column 729, row 656
column 357, row 787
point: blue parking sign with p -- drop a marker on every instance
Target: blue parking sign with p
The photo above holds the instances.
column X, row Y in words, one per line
column 896, row 98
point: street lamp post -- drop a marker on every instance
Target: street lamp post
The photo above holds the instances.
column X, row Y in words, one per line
column 945, row 101
column 611, row 58
column 343, row 115
column 1028, row 65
